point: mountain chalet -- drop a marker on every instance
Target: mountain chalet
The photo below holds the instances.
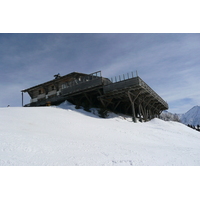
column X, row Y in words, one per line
column 128, row 95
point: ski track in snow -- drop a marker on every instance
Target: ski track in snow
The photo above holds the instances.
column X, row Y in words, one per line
column 65, row 136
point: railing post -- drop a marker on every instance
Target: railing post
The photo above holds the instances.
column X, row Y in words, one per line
column 128, row 75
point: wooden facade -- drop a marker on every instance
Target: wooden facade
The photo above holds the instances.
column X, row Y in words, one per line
column 130, row 96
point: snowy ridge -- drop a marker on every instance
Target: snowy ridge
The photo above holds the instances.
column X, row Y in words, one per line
column 191, row 117
column 66, row 136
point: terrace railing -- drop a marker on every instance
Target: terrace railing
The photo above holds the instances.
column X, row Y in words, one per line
column 82, row 83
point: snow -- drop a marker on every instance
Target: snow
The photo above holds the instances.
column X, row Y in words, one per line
column 65, row 136
column 192, row 117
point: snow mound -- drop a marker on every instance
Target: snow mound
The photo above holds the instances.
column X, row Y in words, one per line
column 67, row 136
column 93, row 112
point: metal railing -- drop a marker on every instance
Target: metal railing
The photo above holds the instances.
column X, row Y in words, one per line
column 121, row 85
column 123, row 77
column 83, row 79
column 83, row 83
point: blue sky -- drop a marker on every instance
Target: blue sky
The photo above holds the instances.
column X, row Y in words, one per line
column 168, row 63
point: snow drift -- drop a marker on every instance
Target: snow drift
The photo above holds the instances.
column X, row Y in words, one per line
column 65, row 136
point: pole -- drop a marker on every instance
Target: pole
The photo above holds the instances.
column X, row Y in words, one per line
column 22, row 99
column 133, row 108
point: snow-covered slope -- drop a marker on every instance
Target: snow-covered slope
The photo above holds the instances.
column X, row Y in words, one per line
column 66, row 136
column 191, row 117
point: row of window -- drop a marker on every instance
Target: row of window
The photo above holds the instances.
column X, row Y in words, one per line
column 41, row 91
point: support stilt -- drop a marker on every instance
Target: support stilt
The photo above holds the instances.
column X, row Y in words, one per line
column 132, row 103
column 22, row 99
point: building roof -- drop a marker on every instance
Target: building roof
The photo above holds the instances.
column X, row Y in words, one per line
column 53, row 81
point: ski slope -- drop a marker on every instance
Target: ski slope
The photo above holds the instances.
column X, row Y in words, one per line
column 64, row 136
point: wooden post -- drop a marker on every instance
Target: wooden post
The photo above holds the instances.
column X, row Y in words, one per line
column 116, row 105
column 132, row 103
column 133, row 111
column 143, row 113
column 133, row 107
column 140, row 112
column 146, row 110
column 22, row 99
column 89, row 99
column 102, row 102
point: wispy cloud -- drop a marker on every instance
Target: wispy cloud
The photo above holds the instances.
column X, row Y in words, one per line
column 169, row 63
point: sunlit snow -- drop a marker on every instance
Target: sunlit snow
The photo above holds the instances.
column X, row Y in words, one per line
column 62, row 135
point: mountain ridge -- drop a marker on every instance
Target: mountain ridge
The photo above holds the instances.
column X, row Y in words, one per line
column 192, row 116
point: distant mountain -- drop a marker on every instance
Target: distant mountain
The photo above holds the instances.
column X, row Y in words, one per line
column 167, row 116
column 191, row 117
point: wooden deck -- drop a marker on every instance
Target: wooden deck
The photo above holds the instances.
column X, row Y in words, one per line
column 119, row 89
column 134, row 96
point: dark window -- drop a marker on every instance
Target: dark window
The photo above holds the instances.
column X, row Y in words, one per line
column 40, row 91
column 52, row 87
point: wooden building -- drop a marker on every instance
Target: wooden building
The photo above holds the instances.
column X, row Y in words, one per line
column 130, row 96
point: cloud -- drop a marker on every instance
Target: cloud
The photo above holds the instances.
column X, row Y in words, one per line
column 11, row 95
column 169, row 63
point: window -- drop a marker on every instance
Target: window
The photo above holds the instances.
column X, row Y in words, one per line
column 52, row 87
column 40, row 91
column 64, row 85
